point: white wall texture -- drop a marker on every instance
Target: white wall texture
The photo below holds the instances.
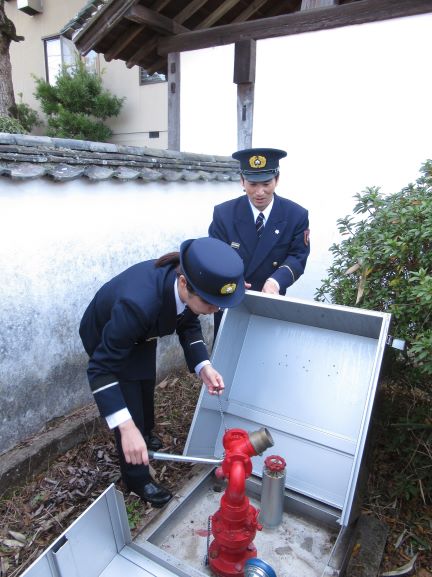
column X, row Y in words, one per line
column 352, row 108
column 350, row 105
column 59, row 242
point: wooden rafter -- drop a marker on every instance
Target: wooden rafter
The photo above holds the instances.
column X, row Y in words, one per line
column 122, row 42
column 160, row 5
column 217, row 14
column 249, row 11
column 154, row 20
column 143, row 51
column 157, row 66
column 189, row 10
column 150, row 46
column 295, row 23
column 309, row 4
column 95, row 31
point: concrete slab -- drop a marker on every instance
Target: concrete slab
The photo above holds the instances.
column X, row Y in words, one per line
column 370, row 540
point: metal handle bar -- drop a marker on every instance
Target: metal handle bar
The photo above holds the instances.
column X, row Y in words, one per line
column 184, row 458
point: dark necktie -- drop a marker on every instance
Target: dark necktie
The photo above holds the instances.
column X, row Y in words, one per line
column 259, row 223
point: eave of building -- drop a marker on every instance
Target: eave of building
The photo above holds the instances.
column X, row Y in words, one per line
column 24, row 158
column 143, row 32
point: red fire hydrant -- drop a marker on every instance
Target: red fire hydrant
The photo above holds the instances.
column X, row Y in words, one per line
column 235, row 524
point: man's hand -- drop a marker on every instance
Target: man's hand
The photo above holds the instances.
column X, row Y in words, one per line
column 212, row 379
column 271, row 287
column 133, row 444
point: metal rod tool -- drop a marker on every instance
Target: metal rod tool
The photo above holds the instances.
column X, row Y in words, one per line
column 184, row 458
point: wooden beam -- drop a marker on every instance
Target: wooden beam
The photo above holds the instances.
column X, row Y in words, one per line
column 309, row 4
column 244, row 77
column 216, row 14
column 244, row 61
column 143, row 51
column 121, row 42
column 150, row 45
column 174, row 101
column 245, row 108
column 305, row 21
column 189, row 10
column 249, row 11
column 87, row 38
column 157, row 66
column 159, row 5
column 154, row 20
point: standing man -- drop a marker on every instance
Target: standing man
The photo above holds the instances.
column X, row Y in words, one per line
column 270, row 233
column 119, row 332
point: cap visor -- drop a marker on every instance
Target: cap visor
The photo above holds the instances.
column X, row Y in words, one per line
column 259, row 176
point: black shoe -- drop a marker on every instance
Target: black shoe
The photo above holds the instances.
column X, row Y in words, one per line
column 153, row 442
column 152, row 493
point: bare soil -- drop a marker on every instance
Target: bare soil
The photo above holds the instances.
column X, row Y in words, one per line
column 399, row 488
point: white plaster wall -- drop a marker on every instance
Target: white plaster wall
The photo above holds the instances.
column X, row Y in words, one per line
column 208, row 113
column 58, row 244
column 350, row 105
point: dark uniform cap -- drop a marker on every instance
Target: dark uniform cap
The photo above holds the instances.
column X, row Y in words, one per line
column 259, row 164
column 214, row 270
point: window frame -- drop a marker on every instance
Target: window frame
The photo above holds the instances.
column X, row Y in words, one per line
column 95, row 62
column 150, row 80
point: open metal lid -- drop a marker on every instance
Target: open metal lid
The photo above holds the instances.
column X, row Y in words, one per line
column 307, row 372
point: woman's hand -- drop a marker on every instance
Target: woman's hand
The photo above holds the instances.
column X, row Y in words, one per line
column 133, row 444
column 212, row 379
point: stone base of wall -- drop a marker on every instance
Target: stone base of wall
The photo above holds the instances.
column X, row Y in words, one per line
column 34, row 455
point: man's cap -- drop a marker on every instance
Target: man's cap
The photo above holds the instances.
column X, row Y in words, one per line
column 214, row 270
column 259, row 164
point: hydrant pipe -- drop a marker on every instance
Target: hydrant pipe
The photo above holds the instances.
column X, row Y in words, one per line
column 235, row 524
column 236, row 490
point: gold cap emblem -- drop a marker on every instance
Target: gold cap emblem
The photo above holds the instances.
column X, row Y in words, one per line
column 228, row 289
column 257, row 161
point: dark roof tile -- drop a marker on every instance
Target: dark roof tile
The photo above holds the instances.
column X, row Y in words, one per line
column 99, row 173
column 65, row 172
column 27, row 157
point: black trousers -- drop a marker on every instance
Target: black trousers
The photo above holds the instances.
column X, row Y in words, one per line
column 139, row 398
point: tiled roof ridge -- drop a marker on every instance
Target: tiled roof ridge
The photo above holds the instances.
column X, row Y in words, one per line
column 25, row 156
column 85, row 14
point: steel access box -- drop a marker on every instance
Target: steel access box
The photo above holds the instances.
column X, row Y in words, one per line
column 307, row 372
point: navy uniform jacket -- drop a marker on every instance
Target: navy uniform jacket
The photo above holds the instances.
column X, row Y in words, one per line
column 283, row 248
column 120, row 326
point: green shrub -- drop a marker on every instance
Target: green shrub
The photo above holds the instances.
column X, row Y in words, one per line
column 77, row 104
column 385, row 263
column 26, row 116
column 11, row 125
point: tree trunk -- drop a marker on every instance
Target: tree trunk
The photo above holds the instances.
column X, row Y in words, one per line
column 7, row 34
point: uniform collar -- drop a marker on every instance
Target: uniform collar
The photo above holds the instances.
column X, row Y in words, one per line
column 180, row 306
column 266, row 212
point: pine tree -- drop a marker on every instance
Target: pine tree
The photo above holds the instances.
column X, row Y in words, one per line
column 77, row 104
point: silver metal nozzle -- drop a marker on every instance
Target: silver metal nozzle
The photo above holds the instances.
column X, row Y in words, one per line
column 261, row 440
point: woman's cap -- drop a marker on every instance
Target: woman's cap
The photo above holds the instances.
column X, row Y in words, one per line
column 214, row 270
